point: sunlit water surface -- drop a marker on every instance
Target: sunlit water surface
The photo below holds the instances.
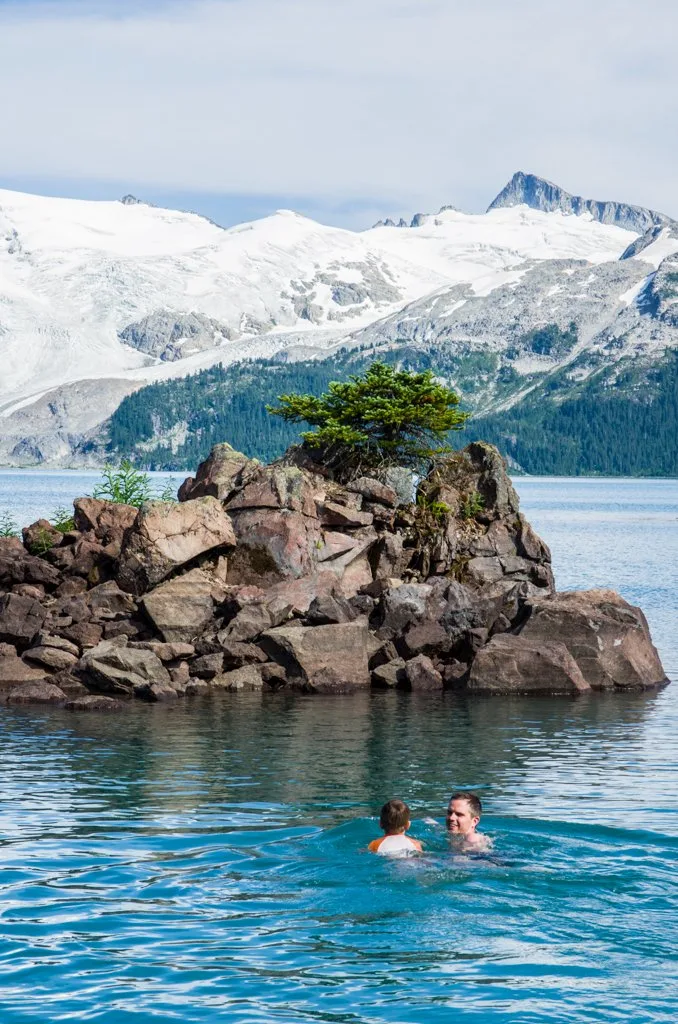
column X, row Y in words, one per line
column 206, row 862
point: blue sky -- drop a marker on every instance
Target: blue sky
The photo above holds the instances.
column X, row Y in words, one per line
column 344, row 111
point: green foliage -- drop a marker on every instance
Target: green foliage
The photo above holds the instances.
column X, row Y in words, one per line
column 382, row 417
column 437, row 509
column 8, row 525
column 551, row 340
column 169, row 491
column 124, row 484
column 42, row 543
column 471, row 504
column 624, row 424
column 62, row 519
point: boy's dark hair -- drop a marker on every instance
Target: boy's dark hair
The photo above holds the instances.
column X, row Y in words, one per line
column 471, row 799
column 394, row 816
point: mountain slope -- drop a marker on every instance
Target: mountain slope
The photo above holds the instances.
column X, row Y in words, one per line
column 99, row 299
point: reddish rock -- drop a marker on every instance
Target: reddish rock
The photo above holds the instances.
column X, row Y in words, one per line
column 107, row 520
column 608, row 638
column 14, row 671
column 333, row 514
column 277, row 487
column 374, row 490
column 40, row 536
column 422, row 675
column 326, row 659
column 83, row 634
column 516, row 664
column 108, row 601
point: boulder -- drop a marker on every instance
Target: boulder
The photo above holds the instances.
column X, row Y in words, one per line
column 82, row 634
column 516, row 664
column 21, row 567
column 166, row 536
column 51, row 657
column 107, row 601
column 38, row 692
column 207, row 666
column 333, row 514
column 403, row 606
column 276, row 487
column 224, row 472
column 389, row 557
column 273, row 545
column 11, row 547
column 182, row 607
column 421, row 674
column 34, row 590
column 326, row 659
column 608, row 638
column 391, row 674
column 21, row 619
column 374, row 490
column 40, row 536
column 14, row 671
column 164, row 651
column 111, row 668
column 329, row 608
column 246, row 678
column 107, row 520
column 237, row 654
column 94, row 702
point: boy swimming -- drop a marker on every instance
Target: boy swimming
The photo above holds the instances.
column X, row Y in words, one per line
column 461, row 819
column 394, row 819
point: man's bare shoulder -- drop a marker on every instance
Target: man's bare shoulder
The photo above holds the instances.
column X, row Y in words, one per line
column 478, row 841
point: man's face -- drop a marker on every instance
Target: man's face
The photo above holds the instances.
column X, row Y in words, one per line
column 460, row 818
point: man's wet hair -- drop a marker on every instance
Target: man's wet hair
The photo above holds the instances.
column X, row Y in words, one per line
column 471, row 799
column 394, row 816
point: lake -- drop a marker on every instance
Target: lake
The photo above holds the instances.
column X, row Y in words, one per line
column 206, row 862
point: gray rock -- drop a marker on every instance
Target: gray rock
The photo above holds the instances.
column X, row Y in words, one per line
column 167, row 535
column 170, row 336
column 391, row 674
column 38, row 692
column 248, row 677
column 531, row 190
column 52, row 657
column 111, row 668
column 21, row 619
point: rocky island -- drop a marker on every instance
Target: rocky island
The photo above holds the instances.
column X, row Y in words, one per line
column 270, row 576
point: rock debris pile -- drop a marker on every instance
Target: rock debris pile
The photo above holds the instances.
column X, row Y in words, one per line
column 280, row 576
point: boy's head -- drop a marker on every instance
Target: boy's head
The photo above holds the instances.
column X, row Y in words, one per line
column 463, row 813
column 394, row 817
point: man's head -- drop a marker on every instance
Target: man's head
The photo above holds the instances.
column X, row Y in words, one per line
column 463, row 813
column 394, row 817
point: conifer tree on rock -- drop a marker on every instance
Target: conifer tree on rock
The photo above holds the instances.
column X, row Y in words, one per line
column 383, row 417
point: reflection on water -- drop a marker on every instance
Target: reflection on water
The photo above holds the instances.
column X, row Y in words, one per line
column 206, row 861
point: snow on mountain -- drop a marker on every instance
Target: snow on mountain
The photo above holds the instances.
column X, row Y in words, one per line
column 122, row 293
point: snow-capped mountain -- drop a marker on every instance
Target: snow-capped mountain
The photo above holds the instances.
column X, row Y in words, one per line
column 99, row 298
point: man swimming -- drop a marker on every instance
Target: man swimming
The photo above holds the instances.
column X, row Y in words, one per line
column 461, row 819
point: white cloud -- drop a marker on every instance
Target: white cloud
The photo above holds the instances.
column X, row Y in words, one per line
column 416, row 101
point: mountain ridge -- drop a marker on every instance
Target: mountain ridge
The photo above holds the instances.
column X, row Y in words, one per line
column 98, row 300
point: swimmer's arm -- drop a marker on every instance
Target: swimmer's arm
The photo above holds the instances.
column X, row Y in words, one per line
column 374, row 846
column 418, row 846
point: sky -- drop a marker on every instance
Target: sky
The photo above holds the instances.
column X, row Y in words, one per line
column 344, row 110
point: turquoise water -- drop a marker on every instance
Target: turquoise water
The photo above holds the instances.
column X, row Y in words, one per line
column 206, row 862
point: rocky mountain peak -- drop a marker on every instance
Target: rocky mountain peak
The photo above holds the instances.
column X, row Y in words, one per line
column 540, row 194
